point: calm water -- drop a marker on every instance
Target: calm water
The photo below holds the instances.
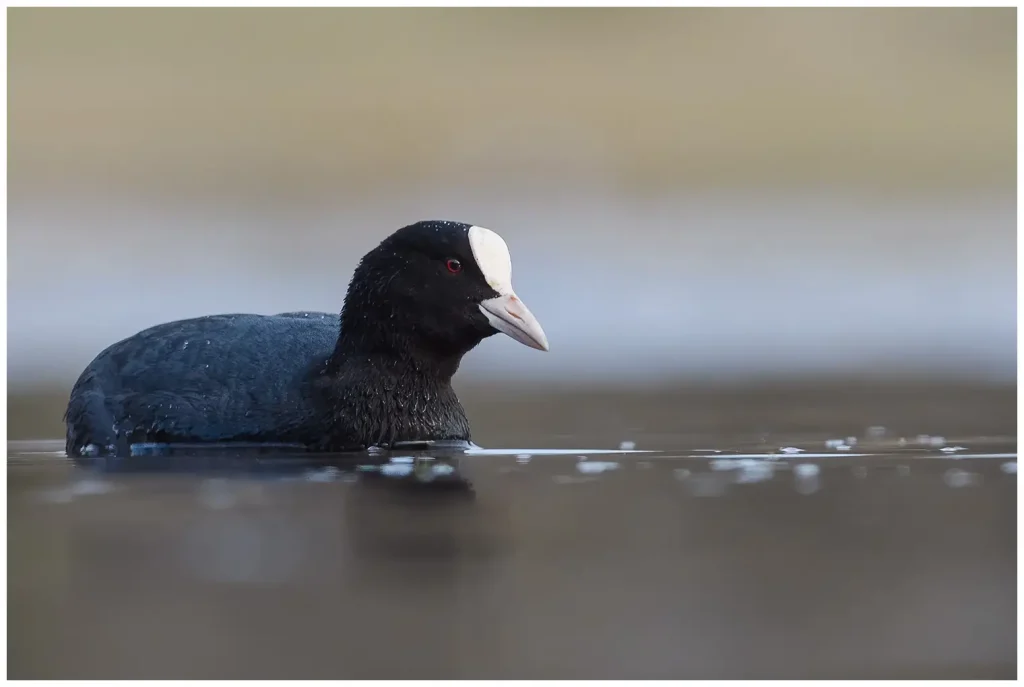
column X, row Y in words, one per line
column 707, row 556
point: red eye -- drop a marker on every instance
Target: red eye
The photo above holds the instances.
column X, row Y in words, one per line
column 454, row 266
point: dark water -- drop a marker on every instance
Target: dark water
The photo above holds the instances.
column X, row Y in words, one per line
column 716, row 554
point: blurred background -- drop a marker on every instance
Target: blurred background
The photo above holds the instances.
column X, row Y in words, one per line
column 742, row 229
column 691, row 196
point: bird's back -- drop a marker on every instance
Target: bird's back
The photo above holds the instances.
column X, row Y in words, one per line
column 218, row 378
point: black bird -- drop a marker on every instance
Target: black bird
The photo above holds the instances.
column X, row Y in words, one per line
column 379, row 374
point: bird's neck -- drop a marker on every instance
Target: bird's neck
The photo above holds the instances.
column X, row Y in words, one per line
column 393, row 356
column 377, row 399
column 391, row 343
column 379, row 387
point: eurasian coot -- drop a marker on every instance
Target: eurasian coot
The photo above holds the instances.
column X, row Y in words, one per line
column 378, row 374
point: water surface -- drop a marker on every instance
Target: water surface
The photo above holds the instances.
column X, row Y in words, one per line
column 850, row 557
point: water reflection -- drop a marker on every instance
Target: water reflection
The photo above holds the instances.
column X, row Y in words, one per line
column 520, row 563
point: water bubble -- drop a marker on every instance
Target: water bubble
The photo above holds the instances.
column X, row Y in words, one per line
column 834, row 443
column 956, row 478
column 1009, row 468
column 627, row 445
column 790, row 449
column 402, row 459
column 523, row 458
column 852, row 441
column 184, row 346
column 952, row 449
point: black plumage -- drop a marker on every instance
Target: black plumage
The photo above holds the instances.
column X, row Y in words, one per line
column 378, row 374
